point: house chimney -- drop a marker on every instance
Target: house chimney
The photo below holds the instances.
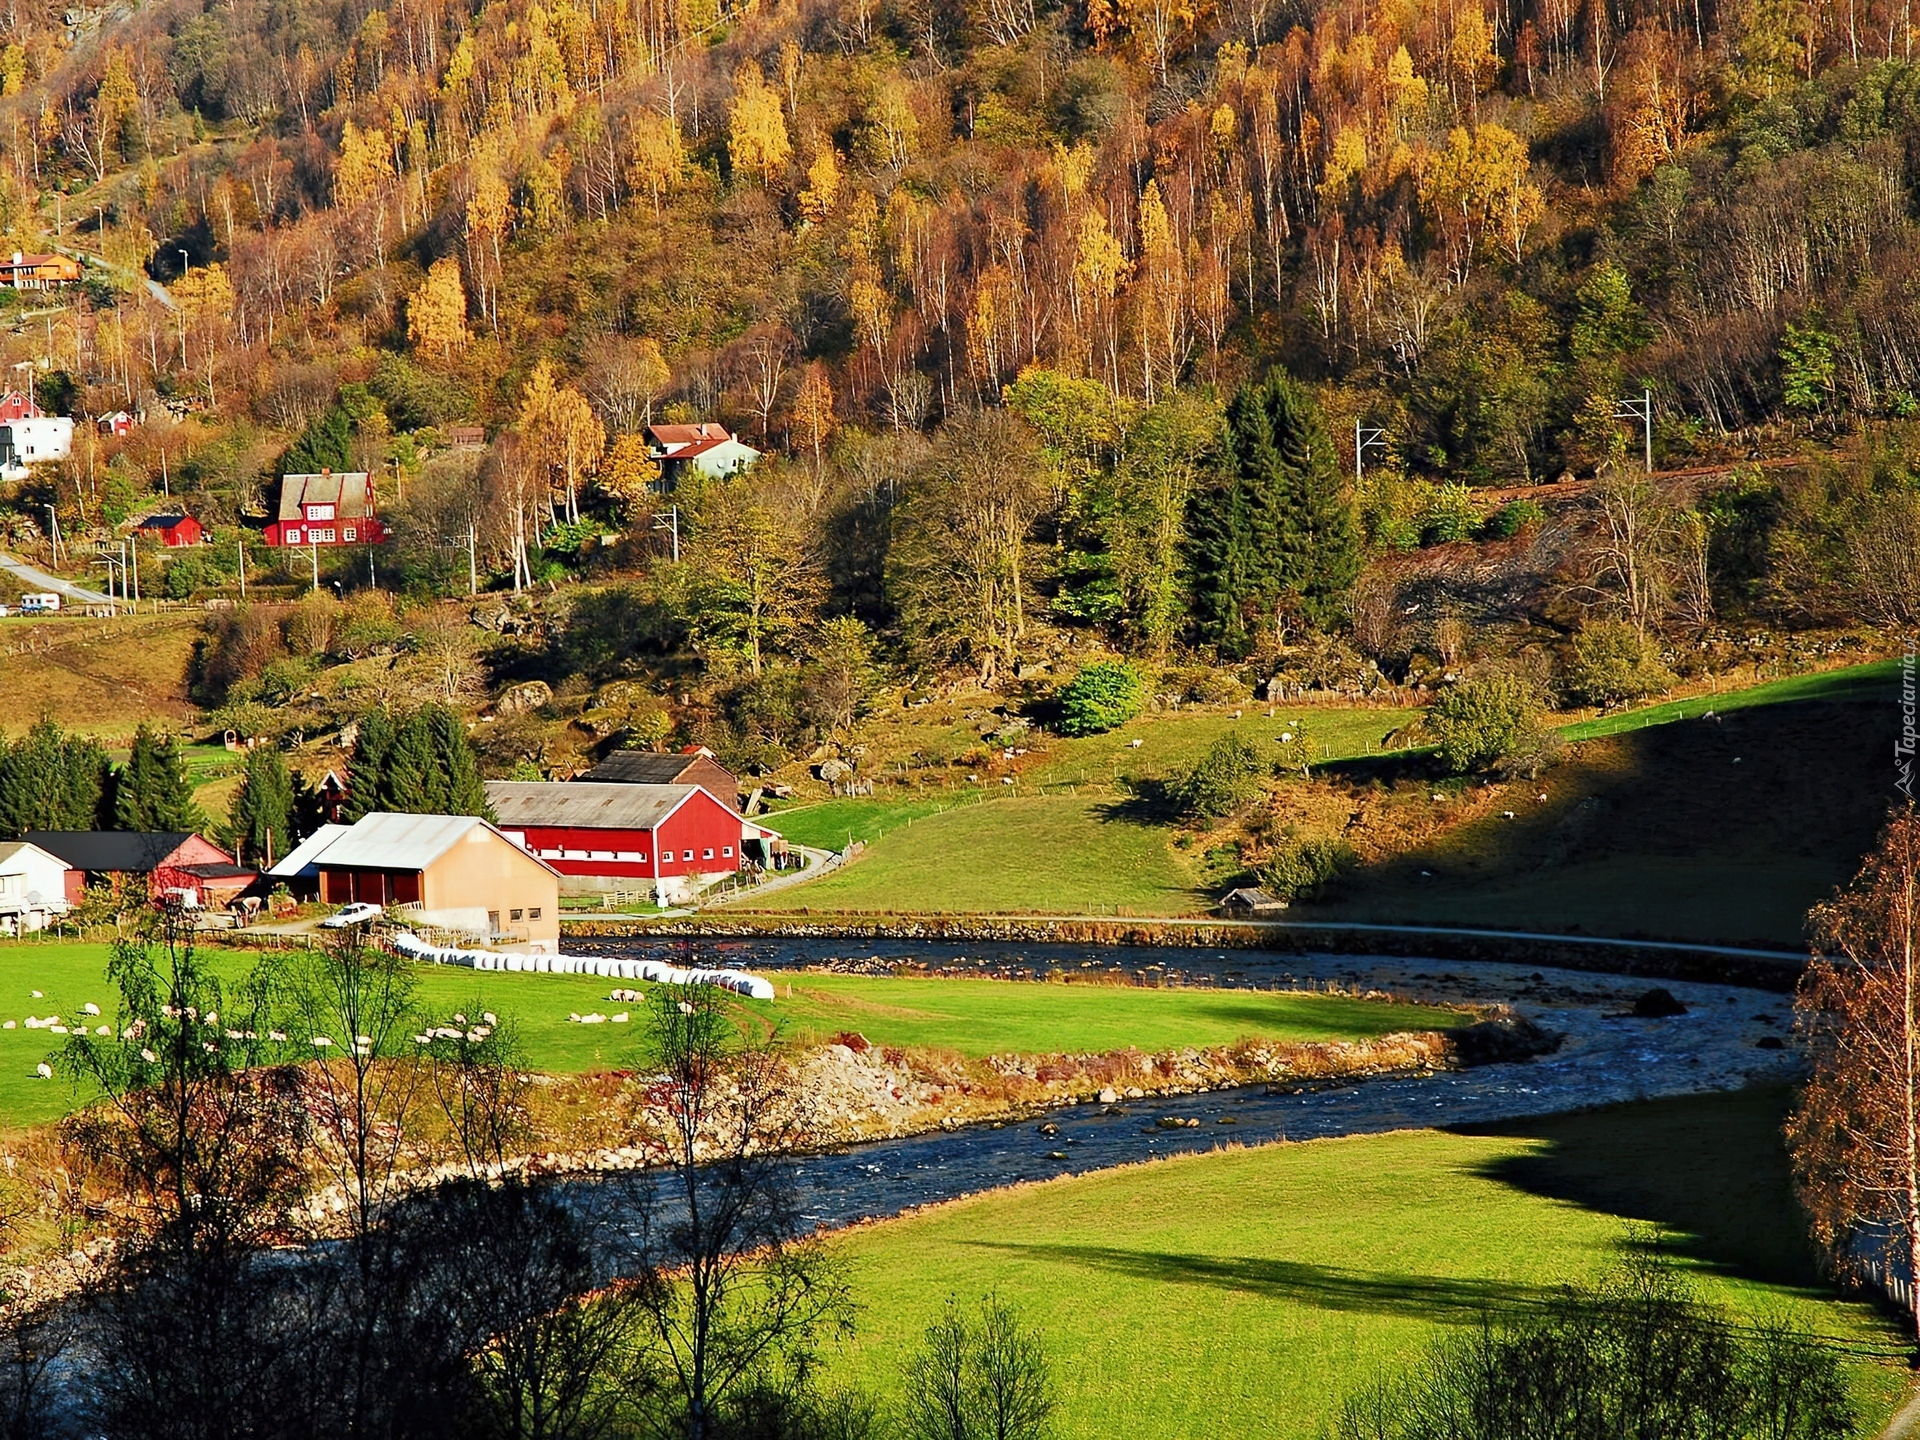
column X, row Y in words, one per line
column 326, row 469
column 18, row 257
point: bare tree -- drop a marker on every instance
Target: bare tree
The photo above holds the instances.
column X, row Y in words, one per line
column 204, row 1138
column 1855, row 1136
column 759, row 364
column 744, row 1292
column 480, row 1086
column 1629, row 555
column 981, row 1377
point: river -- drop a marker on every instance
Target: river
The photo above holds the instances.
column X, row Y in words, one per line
column 1728, row 1038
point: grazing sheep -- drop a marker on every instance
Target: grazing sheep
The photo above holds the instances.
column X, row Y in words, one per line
column 43, row 1070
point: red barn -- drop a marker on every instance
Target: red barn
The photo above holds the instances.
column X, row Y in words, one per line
column 173, row 531
column 18, row 405
column 671, row 839
column 326, row 509
column 178, row 864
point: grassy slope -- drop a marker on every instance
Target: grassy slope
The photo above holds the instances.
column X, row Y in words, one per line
column 1872, row 682
column 1053, row 853
column 972, row 1017
column 1243, row 1293
column 1057, row 852
column 1727, row 829
column 100, row 677
column 1660, row 823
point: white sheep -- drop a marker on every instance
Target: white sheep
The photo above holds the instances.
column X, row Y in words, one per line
column 43, row 1070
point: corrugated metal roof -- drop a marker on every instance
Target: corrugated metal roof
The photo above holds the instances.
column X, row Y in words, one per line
column 302, row 856
column 586, row 804
column 398, row 842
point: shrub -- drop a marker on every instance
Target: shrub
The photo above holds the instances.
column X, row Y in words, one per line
column 1105, row 694
column 1450, row 515
column 1303, row 869
column 1484, row 721
column 1513, row 517
column 1225, row 778
column 1638, row 1354
column 1610, row 661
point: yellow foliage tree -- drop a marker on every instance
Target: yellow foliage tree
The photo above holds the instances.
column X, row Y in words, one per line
column 437, row 311
column 565, row 435
column 1479, row 184
column 812, row 419
column 656, row 156
column 823, row 185
column 628, row 475
column 366, row 165
column 757, row 140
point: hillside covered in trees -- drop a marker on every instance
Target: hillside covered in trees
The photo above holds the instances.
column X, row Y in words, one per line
column 1192, row 331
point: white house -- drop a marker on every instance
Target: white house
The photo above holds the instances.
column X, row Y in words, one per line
column 29, row 440
column 710, row 448
column 33, row 887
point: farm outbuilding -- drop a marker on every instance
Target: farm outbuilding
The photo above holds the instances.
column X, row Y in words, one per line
column 455, row 872
column 669, row 839
column 180, row 866
column 172, row 530
column 695, row 765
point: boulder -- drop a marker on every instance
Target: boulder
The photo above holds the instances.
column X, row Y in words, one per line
column 519, row 699
column 1658, row 1004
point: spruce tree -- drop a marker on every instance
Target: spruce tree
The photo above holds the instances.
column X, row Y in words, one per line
column 50, row 780
column 465, row 792
column 412, row 783
column 367, row 771
column 263, row 810
column 1276, row 529
column 152, row 791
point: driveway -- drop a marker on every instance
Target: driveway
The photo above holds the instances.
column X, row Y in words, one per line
column 39, row 578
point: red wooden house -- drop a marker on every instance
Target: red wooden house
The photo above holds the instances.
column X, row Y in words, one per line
column 326, row 509
column 18, row 405
column 670, row 838
column 172, row 531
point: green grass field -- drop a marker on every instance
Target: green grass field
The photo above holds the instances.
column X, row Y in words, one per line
column 1059, row 854
column 1876, row 681
column 1243, row 1293
column 971, row 1017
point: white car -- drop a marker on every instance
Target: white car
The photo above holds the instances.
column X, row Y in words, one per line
column 356, row 914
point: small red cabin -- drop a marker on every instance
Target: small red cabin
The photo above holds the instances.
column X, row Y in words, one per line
column 173, row 531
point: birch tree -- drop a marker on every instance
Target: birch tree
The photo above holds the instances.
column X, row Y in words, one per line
column 1855, row 1137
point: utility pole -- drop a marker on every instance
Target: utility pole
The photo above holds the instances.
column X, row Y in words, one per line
column 1641, row 410
column 315, row 546
column 183, row 314
column 166, row 488
column 1365, row 438
column 241, row 545
column 133, row 551
column 53, row 536
column 473, row 568
column 671, row 522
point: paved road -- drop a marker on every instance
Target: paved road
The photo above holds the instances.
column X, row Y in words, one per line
column 33, row 575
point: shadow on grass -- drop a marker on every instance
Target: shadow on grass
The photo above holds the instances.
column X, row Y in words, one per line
column 1710, row 1171
column 1146, row 802
column 1445, row 1299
